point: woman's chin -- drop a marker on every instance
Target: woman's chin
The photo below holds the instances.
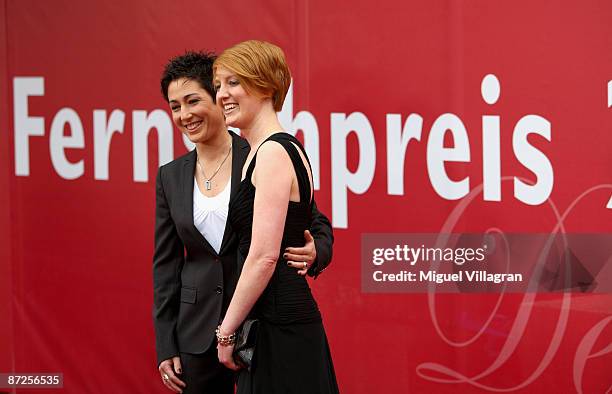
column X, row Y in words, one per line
column 232, row 122
column 194, row 137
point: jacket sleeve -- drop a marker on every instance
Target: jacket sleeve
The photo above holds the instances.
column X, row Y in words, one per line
column 168, row 260
column 324, row 238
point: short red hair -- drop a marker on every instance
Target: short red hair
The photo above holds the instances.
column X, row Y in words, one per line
column 260, row 67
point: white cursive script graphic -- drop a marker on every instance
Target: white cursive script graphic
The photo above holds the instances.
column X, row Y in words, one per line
column 440, row 373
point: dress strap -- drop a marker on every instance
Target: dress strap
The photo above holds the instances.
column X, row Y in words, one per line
column 287, row 141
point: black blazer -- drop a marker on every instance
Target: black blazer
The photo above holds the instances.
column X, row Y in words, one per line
column 192, row 284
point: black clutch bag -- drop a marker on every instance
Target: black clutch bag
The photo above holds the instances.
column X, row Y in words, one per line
column 246, row 337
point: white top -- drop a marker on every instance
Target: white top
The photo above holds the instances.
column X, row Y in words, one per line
column 210, row 214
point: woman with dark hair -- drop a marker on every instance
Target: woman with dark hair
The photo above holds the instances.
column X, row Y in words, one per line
column 270, row 211
column 194, row 264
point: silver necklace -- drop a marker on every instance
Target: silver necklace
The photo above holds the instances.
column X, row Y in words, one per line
column 207, row 182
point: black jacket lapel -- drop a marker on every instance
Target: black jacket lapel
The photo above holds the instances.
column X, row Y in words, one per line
column 240, row 151
column 187, row 187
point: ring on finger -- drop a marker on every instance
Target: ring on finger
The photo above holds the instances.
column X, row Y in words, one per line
column 305, row 264
column 166, row 377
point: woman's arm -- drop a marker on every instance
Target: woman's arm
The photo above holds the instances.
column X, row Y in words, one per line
column 273, row 178
column 317, row 249
column 168, row 260
column 324, row 239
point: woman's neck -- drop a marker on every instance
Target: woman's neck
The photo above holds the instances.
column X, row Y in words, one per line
column 215, row 147
column 262, row 127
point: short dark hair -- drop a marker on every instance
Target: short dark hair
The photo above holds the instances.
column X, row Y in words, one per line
column 192, row 65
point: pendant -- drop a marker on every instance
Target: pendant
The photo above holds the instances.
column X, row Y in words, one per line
column 208, row 185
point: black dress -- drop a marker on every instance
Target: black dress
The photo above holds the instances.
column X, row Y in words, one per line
column 292, row 354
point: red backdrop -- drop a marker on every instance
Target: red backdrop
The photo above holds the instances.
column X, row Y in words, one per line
column 75, row 278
